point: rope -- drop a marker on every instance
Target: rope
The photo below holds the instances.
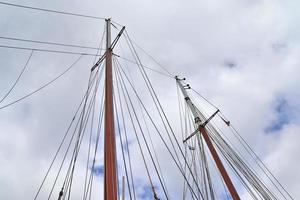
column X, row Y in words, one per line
column 149, row 135
column 126, row 139
column 158, row 104
column 125, row 91
column 122, row 147
column 48, row 50
column 176, row 161
column 43, row 86
column 51, row 11
column 18, row 78
column 49, row 43
column 149, row 68
column 60, row 145
column 91, row 81
column 170, row 74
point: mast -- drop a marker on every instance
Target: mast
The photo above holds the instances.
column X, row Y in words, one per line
column 123, row 188
column 110, row 159
column 201, row 128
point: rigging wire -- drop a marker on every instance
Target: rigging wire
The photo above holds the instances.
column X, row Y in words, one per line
column 48, row 43
column 154, row 70
column 159, row 108
column 48, row 50
column 240, row 167
column 125, row 91
column 122, row 147
column 80, row 135
column 82, row 122
column 60, row 145
column 230, row 163
column 250, row 151
column 237, row 163
column 210, row 103
column 226, row 150
column 79, row 122
column 98, row 131
column 86, row 190
column 159, row 111
column 43, row 86
column 126, row 142
column 149, row 135
column 18, row 78
column 125, row 133
column 89, row 148
column 51, row 11
column 177, row 163
column 90, row 184
column 99, row 127
column 259, row 162
column 164, row 68
column 114, row 23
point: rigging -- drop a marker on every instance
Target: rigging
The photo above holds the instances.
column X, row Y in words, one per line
column 48, row 43
column 18, row 78
column 51, row 11
column 43, row 86
column 118, row 90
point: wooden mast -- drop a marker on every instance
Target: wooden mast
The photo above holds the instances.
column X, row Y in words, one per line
column 203, row 131
column 110, row 169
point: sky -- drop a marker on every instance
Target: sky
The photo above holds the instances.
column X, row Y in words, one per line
column 241, row 55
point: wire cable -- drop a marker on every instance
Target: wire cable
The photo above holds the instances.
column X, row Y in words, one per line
column 49, row 43
column 122, row 147
column 154, row 70
column 132, row 113
column 18, row 78
column 48, row 50
column 177, row 163
column 126, row 142
column 149, row 134
column 145, row 52
column 43, row 86
column 82, row 122
column 51, row 11
column 60, row 145
column 63, row 140
column 159, row 107
column 86, row 187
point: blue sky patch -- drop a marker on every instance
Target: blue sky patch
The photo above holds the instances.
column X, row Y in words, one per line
column 283, row 114
column 147, row 193
column 98, row 170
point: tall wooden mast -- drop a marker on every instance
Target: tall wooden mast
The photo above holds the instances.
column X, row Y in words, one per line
column 110, row 169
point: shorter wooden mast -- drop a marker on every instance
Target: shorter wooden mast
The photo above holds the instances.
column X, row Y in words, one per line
column 203, row 131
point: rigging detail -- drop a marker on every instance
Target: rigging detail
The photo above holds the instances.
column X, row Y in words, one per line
column 121, row 143
column 201, row 129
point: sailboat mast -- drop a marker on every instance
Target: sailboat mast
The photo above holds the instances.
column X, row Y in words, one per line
column 203, row 131
column 110, row 169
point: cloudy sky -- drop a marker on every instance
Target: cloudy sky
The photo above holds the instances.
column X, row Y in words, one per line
column 242, row 55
